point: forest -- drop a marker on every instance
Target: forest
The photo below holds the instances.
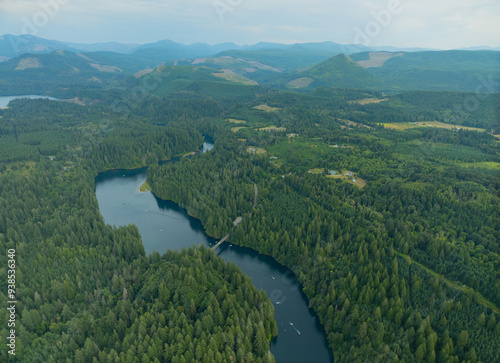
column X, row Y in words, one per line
column 87, row 291
column 404, row 267
column 392, row 232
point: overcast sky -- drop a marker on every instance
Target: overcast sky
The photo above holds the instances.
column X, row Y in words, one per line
column 443, row 24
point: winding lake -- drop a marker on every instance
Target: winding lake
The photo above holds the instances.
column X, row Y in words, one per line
column 166, row 226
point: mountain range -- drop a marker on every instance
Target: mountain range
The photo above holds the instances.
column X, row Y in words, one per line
column 47, row 66
column 15, row 45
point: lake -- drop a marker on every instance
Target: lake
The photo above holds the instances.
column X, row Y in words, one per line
column 4, row 100
column 166, row 226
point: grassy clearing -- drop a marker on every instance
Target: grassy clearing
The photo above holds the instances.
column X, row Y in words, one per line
column 235, row 121
column 145, row 187
column 366, row 101
column 490, row 165
column 360, row 183
column 271, row 128
column 236, row 129
column 267, row 108
column 300, row 82
column 256, row 150
column 236, row 78
column 316, row 171
column 277, row 163
column 307, row 149
column 441, row 125
column 350, row 123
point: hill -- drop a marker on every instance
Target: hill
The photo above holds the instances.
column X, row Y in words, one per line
column 461, row 71
column 253, row 71
column 435, row 71
column 339, row 72
column 16, row 45
column 198, row 80
column 39, row 73
column 282, row 59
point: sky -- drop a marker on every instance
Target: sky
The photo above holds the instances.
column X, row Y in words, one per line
column 440, row 24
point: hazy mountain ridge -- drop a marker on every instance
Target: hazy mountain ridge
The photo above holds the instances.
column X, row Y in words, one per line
column 16, row 45
column 306, row 66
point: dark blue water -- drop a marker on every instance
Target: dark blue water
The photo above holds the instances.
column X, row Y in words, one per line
column 165, row 226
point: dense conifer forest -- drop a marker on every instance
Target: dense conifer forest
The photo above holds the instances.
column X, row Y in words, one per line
column 387, row 211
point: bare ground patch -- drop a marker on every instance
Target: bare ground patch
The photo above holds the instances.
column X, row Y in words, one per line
column 256, row 150
column 143, row 73
column 108, row 69
column 26, row 63
column 367, row 101
column 231, row 76
column 349, row 177
column 271, row 128
column 267, row 108
column 350, row 123
column 378, row 59
column 301, row 82
column 236, row 129
column 438, row 124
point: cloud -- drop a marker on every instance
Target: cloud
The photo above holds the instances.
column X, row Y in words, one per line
column 427, row 23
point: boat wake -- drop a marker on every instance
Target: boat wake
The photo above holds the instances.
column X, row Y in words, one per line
column 297, row 330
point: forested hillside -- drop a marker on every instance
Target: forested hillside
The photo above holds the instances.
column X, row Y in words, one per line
column 85, row 290
column 386, row 208
column 400, row 263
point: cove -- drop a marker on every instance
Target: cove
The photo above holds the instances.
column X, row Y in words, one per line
column 164, row 226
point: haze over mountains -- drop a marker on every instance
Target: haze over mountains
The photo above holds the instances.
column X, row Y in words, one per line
column 15, row 45
column 36, row 65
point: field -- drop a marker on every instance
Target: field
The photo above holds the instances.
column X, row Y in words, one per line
column 308, row 149
column 442, row 125
column 366, row 101
column 300, row 82
column 236, row 78
column 236, row 129
column 378, row 59
column 358, row 181
column 234, row 121
column 271, row 128
column 267, row 108
column 316, row 171
column 256, row 150
column 490, row 165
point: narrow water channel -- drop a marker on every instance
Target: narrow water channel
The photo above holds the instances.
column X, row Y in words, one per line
column 166, row 226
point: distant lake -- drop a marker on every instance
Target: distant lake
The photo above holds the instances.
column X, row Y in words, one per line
column 164, row 226
column 4, row 100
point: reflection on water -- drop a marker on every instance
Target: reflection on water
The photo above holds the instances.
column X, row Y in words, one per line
column 165, row 226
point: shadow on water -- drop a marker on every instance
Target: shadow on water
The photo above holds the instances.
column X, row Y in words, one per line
column 164, row 225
